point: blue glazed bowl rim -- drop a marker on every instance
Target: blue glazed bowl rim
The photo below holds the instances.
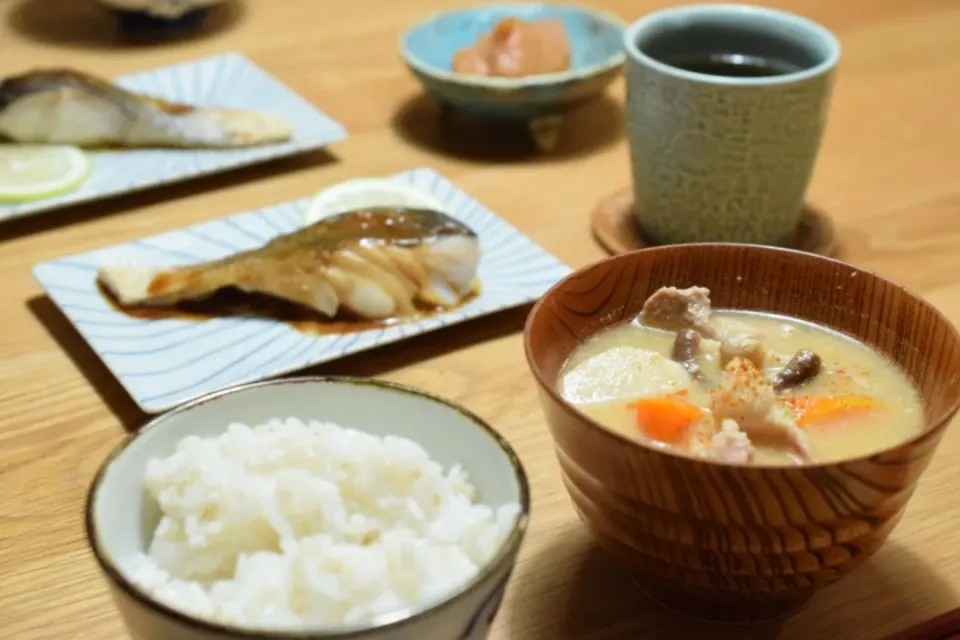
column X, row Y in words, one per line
column 546, row 79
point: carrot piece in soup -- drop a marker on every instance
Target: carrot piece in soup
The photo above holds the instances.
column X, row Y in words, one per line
column 665, row 419
column 819, row 409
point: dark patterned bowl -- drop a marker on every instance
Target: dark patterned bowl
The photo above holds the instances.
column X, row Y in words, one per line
column 732, row 543
column 159, row 19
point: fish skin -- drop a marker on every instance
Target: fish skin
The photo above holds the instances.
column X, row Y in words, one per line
column 66, row 106
column 377, row 263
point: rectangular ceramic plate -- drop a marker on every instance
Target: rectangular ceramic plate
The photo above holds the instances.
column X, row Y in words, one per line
column 228, row 80
column 163, row 363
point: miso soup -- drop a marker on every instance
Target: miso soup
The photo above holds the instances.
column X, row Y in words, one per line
column 740, row 387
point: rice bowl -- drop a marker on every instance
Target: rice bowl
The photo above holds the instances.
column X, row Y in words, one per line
column 310, row 525
column 364, row 524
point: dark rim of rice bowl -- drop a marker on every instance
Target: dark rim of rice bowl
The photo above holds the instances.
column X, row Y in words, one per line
column 387, row 622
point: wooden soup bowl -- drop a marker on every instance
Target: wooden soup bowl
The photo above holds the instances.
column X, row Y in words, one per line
column 728, row 543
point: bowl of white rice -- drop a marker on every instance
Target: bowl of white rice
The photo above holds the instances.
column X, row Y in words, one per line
column 310, row 508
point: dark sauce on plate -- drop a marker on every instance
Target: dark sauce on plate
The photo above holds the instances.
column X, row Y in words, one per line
column 232, row 302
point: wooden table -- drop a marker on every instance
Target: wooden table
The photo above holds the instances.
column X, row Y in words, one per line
column 887, row 173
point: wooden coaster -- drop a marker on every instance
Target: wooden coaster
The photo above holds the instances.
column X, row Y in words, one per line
column 615, row 227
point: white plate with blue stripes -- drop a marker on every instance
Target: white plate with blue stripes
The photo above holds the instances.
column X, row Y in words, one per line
column 228, row 80
column 165, row 362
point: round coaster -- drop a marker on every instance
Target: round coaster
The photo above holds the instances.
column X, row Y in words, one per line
column 615, row 227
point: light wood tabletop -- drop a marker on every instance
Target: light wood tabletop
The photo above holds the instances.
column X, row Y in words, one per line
column 887, row 174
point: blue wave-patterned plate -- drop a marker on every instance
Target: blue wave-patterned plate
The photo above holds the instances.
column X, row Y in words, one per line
column 228, row 80
column 163, row 363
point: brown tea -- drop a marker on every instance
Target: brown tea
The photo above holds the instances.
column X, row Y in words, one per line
column 732, row 65
column 731, row 50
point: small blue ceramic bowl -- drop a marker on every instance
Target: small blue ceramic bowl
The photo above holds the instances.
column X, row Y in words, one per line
column 596, row 41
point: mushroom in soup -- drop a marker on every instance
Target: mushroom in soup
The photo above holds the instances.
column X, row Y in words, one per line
column 740, row 386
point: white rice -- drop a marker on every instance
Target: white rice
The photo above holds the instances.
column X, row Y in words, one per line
column 291, row 525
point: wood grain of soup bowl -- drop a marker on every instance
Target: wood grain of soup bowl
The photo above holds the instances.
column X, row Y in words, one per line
column 736, row 504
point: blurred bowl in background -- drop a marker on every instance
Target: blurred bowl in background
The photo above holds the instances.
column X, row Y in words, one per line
column 158, row 19
column 597, row 57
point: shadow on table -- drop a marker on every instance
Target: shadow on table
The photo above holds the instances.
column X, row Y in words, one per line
column 367, row 364
column 46, row 220
column 84, row 25
column 899, row 588
column 86, row 361
column 594, row 597
column 424, row 123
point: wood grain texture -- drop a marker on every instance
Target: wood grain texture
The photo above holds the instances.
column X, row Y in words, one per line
column 944, row 627
column 887, row 176
column 614, row 225
column 720, row 542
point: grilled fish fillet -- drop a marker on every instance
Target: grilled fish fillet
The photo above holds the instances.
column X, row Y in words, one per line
column 377, row 264
column 65, row 106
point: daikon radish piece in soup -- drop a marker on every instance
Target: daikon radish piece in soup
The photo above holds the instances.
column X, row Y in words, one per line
column 740, row 387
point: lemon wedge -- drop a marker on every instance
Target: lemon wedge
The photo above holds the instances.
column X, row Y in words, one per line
column 366, row 193
column 36, row 172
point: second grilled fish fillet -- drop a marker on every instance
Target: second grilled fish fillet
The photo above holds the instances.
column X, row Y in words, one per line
column 377, row 264
column 65, row 106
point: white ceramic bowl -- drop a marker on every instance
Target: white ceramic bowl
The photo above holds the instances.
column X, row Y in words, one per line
column 121, row 517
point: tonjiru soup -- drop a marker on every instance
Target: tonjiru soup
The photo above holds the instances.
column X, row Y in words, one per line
column 740, row 387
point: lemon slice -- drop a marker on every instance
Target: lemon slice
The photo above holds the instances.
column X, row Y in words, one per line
column 364, row 193
column 36, row 172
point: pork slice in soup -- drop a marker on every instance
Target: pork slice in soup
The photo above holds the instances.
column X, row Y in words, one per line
column 740, row 387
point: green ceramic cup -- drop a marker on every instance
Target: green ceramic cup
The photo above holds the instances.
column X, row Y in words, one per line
column 726, row 107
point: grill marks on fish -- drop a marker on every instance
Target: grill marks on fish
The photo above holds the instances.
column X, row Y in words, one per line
column 14, row 88
column 66, row 106
column 374, row 264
